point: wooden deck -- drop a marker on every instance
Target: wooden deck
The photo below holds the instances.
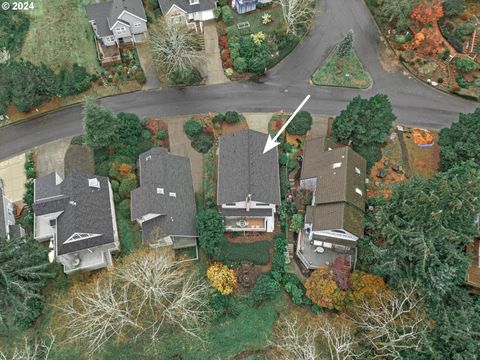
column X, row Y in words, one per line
column 473, row 275
column 108, row 55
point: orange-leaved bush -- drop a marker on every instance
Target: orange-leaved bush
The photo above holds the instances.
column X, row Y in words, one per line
column 222, row 278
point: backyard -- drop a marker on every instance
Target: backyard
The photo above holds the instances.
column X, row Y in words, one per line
column 60, row 35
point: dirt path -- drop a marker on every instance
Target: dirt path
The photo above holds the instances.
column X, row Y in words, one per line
column 405, row 160
column 213, row 68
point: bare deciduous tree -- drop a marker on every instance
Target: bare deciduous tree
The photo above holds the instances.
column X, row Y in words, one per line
column 175, row 47
column 295, row 342
column 297, row 13
column 4, row 56
column 139, row 297
column 392, row 322
column 31, row 349
column 340, row 341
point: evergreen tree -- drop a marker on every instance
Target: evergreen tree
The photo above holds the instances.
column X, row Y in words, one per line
column 460, row 142
column 210, row 228
column 100, row 125
column 129, row 128
column 345, row 45
column 365, row 123
column 24, row 272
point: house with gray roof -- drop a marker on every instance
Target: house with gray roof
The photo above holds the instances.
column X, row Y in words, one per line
column 193, row 13
column 334, row 221
column 77, row 216
column 118, row 22
column 164, row 204
column 8, row 227
column 248, row 184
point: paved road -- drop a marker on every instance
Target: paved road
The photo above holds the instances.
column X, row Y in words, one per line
column 282, row 88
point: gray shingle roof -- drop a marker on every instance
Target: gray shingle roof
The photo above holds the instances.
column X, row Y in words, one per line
column 99, row 12
column 243, row 169
column 3, row 229
column 46, row 187
column 335, row 216
column 312, row 155
column 204, row 5
column 85, row 210
column 162, row 170
column 134, row 7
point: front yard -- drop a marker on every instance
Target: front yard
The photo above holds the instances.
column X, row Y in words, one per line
column 438, row 48
column 252, row 42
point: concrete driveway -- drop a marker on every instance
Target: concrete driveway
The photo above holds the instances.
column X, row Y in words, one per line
column 148, row 67
column 180, row 145
column 213, row 64
column 13, row 176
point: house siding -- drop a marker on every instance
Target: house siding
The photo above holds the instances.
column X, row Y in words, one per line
column 132, row 20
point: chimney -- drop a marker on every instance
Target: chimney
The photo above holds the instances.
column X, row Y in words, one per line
column 249, row 202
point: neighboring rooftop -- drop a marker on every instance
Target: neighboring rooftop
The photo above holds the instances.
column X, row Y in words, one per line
column 203, row 5
column 166, row 193
column 243, row 169
column 105, row 14
column 336, row 216
column 340, row 173
column 84, row 206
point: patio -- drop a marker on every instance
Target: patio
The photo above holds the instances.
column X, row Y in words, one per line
column 316, row 253
column 108, row 55
column 245, row 224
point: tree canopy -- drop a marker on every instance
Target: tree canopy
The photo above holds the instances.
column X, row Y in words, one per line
column 420, row 236
column 365, row 123
column 24, row 272
column 100, row 125
column 460, row 142
column 210, row 228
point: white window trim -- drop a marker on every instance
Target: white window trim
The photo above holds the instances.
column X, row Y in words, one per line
column 194, row 2
column 137, row 24
column 121, row 30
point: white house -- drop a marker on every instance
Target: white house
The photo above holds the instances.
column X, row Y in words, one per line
column 193, row 13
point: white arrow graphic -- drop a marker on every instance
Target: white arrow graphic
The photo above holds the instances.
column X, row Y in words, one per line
column 272, row 143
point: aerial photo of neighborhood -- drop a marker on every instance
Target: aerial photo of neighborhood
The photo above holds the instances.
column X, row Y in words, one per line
column 240, row 179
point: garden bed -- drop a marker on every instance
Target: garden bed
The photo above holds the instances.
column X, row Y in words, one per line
column 348, row 72
column 159, row 130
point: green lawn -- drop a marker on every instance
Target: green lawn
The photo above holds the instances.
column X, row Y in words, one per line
column 257, row 252
column 60, row 35
column 255, row 20
column 347, row 72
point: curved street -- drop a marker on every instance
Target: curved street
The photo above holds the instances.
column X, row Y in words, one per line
column 283, row 87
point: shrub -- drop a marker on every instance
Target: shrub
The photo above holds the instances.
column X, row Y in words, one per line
column 78, row 140
column 278, row 260
column 217, row 12
column 124, row 208
column 371, row 155
column 222, row 278
column 126, row 186
column 464, row 29
column 227, row 14
column 162, row 134
column 240, row 64
column 465, row 64
column 203, row 143
column 232, row 117
column 210, row 228
column 301, row 123
column 147, row 135
column 296, row 223
column 192, row 128
column 191, row 76
column 266, row 288
column 30, row 173
column 453, row 7
column 229, row 72
column 219, row 118
column 115, row 185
